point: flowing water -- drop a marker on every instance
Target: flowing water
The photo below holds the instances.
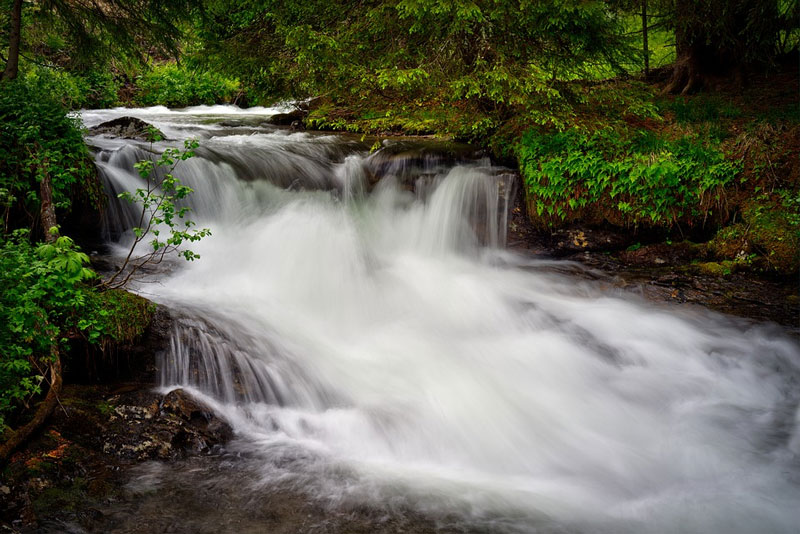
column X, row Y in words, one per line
column 356, row 319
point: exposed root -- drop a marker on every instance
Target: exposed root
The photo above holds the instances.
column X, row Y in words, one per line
column 44, row 410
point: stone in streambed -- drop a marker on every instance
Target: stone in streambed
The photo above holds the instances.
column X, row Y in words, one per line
column 164, row 427
column 126, row 128
column 286, row 119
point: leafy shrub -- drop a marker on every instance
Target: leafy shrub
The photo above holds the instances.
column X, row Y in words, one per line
column 41, row 301
column 176, row 86
column 37, row 138
column 641, row 179
column 162, row 220
column 102, row 89
column 91, row 89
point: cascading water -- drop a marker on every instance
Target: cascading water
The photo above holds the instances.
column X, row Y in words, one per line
column 357, row 321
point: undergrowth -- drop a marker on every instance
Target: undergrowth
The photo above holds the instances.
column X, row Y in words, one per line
column 628, row 180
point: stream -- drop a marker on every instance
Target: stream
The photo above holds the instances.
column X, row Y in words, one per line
column 358, row 321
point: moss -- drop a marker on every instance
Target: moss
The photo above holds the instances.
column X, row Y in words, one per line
column 730, row 242
column 123, row 317
column 445, row 120
column 774, row 232
column 105, row 408
column 712, row 268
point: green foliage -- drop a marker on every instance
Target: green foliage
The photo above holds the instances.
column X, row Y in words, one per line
column 85, row 36
column 161, row 212
column 91, row 89
column 42, row 300
column 177, row 86
column 37, row 139
column 46, row 300
column 638, row 179
column 495, row 54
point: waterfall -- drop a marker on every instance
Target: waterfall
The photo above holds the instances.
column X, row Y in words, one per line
column 358, row 314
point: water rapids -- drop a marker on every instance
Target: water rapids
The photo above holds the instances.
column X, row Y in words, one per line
column 357, row 320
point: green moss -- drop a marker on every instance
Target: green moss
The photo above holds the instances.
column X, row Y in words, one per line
column 120, row 316
column 445, row 120
column 712, row 268
column 769, row 233
column 774, row 232
column 730, row 242
column 105, row 408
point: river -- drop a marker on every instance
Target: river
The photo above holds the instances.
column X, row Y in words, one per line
column 356, row 318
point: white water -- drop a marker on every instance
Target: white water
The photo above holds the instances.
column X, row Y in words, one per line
column 382, row 348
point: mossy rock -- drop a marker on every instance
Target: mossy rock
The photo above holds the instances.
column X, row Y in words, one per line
column 773, row 233
column 124, row 316
column 731, row 242
column 719, row 269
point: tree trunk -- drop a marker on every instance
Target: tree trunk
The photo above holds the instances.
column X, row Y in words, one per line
column 644, row 39
column 686, row 72
column 48, row 212
column 42, row 412
column 14, row 38
column 687, row 75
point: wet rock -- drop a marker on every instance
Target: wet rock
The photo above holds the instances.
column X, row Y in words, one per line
column 146, row 425
column 585, row 239
column 298, row 126
column 661, row 254
column 310, row 104
column 131, row 360
column 232, row 123
column 286, row 119
column 126, row 128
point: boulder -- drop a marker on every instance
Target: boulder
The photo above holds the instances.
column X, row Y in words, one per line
column 310, row 104
column 126, row 128
column 286, row 119
column 146, row 425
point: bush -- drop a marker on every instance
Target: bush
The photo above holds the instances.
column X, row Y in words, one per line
column 37, row 138
column 176, row 86
column 639, row 179
column 91, row 89
column 41, row 301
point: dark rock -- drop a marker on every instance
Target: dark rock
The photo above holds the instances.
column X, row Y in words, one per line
column 123, row 361
column 286, row 119
column 661, row 254
column 310, row 104
column 298, row 125
column 126, row 128
column 145, row 425
column 586, row 239
column 232, row 123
